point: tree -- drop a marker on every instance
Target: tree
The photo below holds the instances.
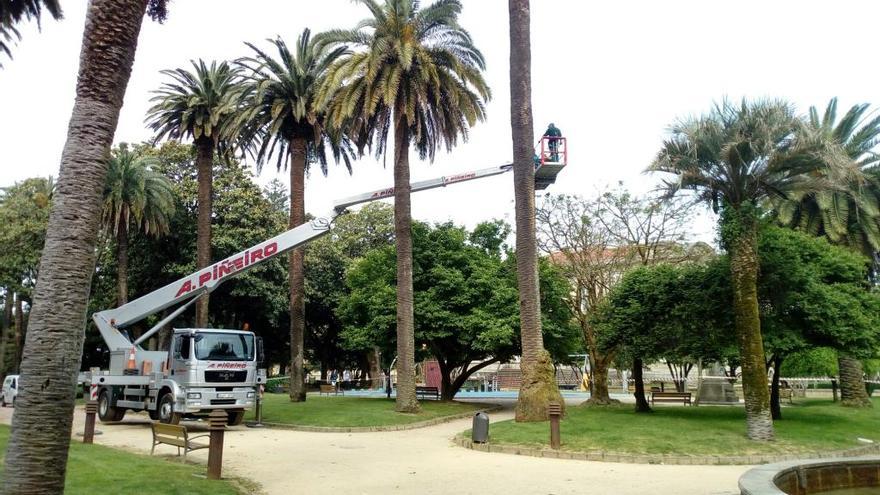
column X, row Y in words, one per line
column 14, row 11
column 417, row 69
column 202, row 105
column 465, row 295
column 282, row 112
column 538, row 388
column 36, row 458
column 849, row 216
column 134, row 196
column 736, row 158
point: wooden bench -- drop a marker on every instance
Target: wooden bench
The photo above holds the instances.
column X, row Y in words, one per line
column 326, row 388
column 683, row 397
column 784, row 393
column 177, row 436
column 428, row 393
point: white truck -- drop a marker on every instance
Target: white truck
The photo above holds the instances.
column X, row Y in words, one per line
column 205, row 368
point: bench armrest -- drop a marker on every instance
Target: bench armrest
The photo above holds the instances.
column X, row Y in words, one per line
column 197, row 436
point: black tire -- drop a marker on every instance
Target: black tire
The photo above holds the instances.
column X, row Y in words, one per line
column 154, row 413
column 166, row 410
column 106, row 412
column 2, row 401
column 235, row 417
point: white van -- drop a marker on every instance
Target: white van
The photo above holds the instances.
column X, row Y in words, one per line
column 10, row 390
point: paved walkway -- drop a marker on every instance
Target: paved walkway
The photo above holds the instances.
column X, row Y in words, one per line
column 422, row 461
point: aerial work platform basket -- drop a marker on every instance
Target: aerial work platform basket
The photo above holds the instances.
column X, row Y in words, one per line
column 552, row 158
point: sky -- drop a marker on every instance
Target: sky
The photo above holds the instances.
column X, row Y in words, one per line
column 612, row 75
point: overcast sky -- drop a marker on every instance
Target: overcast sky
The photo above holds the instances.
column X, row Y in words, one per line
column 611, row 75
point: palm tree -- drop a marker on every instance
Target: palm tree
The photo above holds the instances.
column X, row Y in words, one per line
column 36, row 458
column 420, row 71
column 848, row 217
column 134, row 196
column 14, row 11
column 539, row 381
column 737, row 158
column 282, row 115
column 203, row 106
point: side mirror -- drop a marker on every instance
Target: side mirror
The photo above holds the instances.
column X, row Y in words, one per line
column 261, row 357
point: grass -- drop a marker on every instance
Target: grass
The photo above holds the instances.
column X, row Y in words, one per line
column 98, row 469
column 807, row 426
column 352, row 411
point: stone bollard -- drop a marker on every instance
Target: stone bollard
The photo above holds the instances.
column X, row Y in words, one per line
column 91, row 410
column 554, row 410
column 217, row 424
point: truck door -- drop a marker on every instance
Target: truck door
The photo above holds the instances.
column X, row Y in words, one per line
column 181, row 353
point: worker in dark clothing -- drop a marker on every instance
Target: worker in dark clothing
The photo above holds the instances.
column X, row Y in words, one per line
column 553, row 133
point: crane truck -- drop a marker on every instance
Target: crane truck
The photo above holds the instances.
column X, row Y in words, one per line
column 205, row 368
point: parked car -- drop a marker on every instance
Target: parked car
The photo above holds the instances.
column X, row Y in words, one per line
column 9, row 391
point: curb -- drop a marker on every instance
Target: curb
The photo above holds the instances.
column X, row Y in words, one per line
column 603, row 456
column 373, row 429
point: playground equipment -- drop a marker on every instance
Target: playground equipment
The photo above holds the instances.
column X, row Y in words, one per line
column 205, row 369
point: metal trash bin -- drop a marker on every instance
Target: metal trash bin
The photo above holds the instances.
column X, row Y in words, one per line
column 480, row 429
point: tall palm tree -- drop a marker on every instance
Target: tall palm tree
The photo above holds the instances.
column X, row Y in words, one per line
column 736, row 158
column 14, row 11
column 848, row 217
column 201, row 105
column 36, row 456
column 282, row 115
column 134, row 196
column 418, row 70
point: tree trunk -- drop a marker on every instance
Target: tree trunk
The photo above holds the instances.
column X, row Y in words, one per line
column 852, row 382
column 775, row 408
column 19, row 333
column 36, row 459
column 122, row 262
column 744, row 271
column 373, row 360
column 538, row 387
column 599, row 395
column 295, row 273
column 4, row 331
column 205, row 178
column 642, row 405
column 406, row 376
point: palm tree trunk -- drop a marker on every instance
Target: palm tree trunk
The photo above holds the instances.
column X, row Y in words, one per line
column 296, row 274
column 5, row 325
column 122, row 262
column 539, row 382
column 852, row 381
column 642, row 405
column 205, row 178
column 406, row 346
column 36, row 459
column 744, row 271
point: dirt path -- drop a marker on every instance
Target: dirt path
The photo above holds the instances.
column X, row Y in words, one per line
column 422, row 461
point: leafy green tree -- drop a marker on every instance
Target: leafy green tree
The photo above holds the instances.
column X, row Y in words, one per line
column 282, row 114
column 36, row 459
column 418, row 69
column 203, row 106
column 465, row 302
column 135, row 196
column 849, row 216
column 737, row 158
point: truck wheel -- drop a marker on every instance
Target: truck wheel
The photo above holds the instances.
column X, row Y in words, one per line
column 2, row 401
column 106, row 412
column 166, row 410
column 235, row 418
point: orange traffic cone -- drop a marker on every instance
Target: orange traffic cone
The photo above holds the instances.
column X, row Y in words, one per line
column 132, row 363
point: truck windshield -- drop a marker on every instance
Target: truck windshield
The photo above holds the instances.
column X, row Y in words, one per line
column 224, row 346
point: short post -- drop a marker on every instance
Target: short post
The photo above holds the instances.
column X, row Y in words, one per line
column 259, row 409
column 91, row 410
column 554, row 410
column 834, row 389
column 217, row 424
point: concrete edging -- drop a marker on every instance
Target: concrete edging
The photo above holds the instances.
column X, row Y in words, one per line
column 603, row 456
column 372, row 429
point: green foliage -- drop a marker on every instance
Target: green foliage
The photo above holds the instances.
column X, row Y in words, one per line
column 465, row 299
column 24, row 215
column 413, row 63
column 816, row 361
column 135, row 194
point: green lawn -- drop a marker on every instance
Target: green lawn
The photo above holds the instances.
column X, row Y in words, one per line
column 351, row 411
column 809, row 425
column 98, row 469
